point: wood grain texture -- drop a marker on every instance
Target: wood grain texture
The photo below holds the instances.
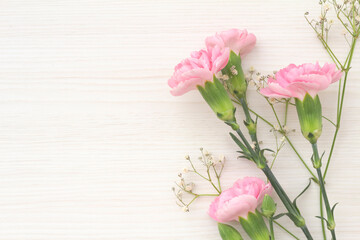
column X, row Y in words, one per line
column 91, row 140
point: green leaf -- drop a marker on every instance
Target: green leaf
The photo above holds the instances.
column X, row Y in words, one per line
column 239, row 143
column 333, row 208
column 280, row 215
column 227, row 232
column 303, row 191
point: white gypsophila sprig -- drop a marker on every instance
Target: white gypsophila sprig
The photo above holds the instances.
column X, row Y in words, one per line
column 256, row 79
column 347, row 12
column 211, row 172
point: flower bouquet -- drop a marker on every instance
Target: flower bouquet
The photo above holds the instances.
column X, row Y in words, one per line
column 216, row 72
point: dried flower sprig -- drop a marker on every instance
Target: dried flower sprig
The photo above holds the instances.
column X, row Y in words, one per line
column 213, row 169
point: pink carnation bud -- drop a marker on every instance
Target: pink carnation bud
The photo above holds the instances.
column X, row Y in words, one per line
column 244, row 197
column 296, row 81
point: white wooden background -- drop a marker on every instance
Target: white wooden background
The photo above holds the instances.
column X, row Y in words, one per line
column 91, row 141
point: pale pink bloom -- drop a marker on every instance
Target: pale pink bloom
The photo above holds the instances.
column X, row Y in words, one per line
column 197, row 69
column 239, row 41
column 296, row 81
column 244, row 197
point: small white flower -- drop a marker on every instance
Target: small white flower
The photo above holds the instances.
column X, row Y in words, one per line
column 179, row 194
column 233, row 70
column 189, row 187
column 222, row 159
column 206, row 153
column 185, row 209
column 187, row 157
column 282, row 139
column 185, row 170
column 326, row 7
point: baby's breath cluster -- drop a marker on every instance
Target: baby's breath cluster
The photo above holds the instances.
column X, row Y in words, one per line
column 256, row 79
column 347, row 12
column 212, row 168
column 225, row 78
column 322, row 24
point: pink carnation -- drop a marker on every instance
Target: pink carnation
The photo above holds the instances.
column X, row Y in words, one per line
column 244, row 197
column 197, row 69
column 239, row 41
column 296, row 81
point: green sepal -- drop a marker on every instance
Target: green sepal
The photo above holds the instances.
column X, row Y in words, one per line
column 280, row 215
column 331, row 221
column 227, row 232
column 302, row 192
column 310, row 117
column 268, row 207
column 260, row 160
column 218, row 99
column 251, row 126
column 236, row 83
column 254, row 225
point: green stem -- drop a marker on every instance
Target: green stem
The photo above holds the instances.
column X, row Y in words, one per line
column 322, row 216
column 294, row 213
column 192, row 200
column 286, row 110
column 329, row 121
column 245, row 108
column 271, row 224
column 283, row 228
column 273, row 161
column 330, row 216
column 340, row 103
column 262, row 118
column 250, row 124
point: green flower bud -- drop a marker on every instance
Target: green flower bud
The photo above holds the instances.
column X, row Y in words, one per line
column 235, row 76
column 255, row 226
column 251, row 126
column 268, row 206
column 227, row 232
column 218, row 99
column 310, row 117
